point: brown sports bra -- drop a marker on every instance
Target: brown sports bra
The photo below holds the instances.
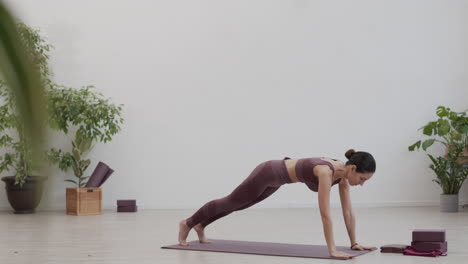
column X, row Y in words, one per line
column 305, row 172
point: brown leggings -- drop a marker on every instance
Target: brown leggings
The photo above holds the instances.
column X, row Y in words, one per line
column 264, row 180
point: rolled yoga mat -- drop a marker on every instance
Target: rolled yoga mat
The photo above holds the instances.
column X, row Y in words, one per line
column 108, row 174
column 100, row 173
column 265, row 248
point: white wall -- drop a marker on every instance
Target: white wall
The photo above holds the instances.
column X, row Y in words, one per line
column 212, row 86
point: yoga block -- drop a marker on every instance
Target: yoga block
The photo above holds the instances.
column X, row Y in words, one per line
column 84, row 201
column 127, row 209
column 429, row 246
column 393, row 248
column 428, row 235
column 126, row 202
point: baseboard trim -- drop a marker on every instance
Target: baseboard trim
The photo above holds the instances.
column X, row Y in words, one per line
column 265, row 206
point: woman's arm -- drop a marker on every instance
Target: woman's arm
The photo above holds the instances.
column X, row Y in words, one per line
column 324, row 206
column 348, row 215
column 325, row 180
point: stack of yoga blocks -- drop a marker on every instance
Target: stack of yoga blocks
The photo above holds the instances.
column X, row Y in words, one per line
column 425, row 240
column 126, row 206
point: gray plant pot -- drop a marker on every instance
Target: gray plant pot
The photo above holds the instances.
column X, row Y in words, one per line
column 449, row 203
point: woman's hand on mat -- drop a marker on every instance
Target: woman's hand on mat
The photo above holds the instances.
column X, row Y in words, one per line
column 359, row 247
column 339, row 254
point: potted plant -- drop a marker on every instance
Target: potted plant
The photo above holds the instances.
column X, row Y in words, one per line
column 24, row 190
column 451, row 130
column 93, row 117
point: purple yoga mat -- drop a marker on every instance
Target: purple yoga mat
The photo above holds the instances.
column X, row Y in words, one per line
column 108, row 174
column 98, row 175
column 265, row 248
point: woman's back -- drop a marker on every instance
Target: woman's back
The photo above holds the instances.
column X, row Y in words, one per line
column 302, row 170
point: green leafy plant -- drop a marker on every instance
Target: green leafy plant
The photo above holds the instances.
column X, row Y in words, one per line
column 93, row 117
column 450, row 173
column 24, row 56
column 451, row 130
column 80, row 147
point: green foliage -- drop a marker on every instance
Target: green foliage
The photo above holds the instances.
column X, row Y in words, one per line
column 450, row 174
column 24, row 57
column 38, row 48
column 451, row 130
column 94, row 117
column 80, row 147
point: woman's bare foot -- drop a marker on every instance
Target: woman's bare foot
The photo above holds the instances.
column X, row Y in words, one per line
column 201, row 233
column 183, row 233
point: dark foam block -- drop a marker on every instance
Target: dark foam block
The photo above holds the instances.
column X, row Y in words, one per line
column 126, row 202
column 127, row 209
column 430, row 246
column 429, row 235
column 265, row 248
column 393, row 248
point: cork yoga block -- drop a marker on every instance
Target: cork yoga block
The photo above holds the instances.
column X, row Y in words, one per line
column 84, row 201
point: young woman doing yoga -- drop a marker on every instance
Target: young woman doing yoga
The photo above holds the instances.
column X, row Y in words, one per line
column 319, row 174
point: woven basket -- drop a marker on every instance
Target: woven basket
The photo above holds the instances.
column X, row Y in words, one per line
column 84, row 201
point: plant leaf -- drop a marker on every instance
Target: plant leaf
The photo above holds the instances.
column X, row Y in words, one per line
column 428, row 129
column 456, row 136
column 444, row 127
column 78, row 138
column 442, row 111
column 85, row 164
column 427, row 143
column 76, row 154
column 415, row 145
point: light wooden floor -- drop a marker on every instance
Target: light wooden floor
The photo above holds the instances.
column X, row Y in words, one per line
column 53, row 237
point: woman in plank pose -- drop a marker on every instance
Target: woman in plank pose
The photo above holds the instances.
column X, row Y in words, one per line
column 319, row 174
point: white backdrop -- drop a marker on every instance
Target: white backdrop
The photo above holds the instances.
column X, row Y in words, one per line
column 212, row 88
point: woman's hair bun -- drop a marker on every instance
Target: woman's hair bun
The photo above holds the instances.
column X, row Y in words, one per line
column 349, row 153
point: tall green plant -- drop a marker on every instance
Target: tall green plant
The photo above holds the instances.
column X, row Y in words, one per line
column 23, row 61
column 450, row 130
column 94, row 118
